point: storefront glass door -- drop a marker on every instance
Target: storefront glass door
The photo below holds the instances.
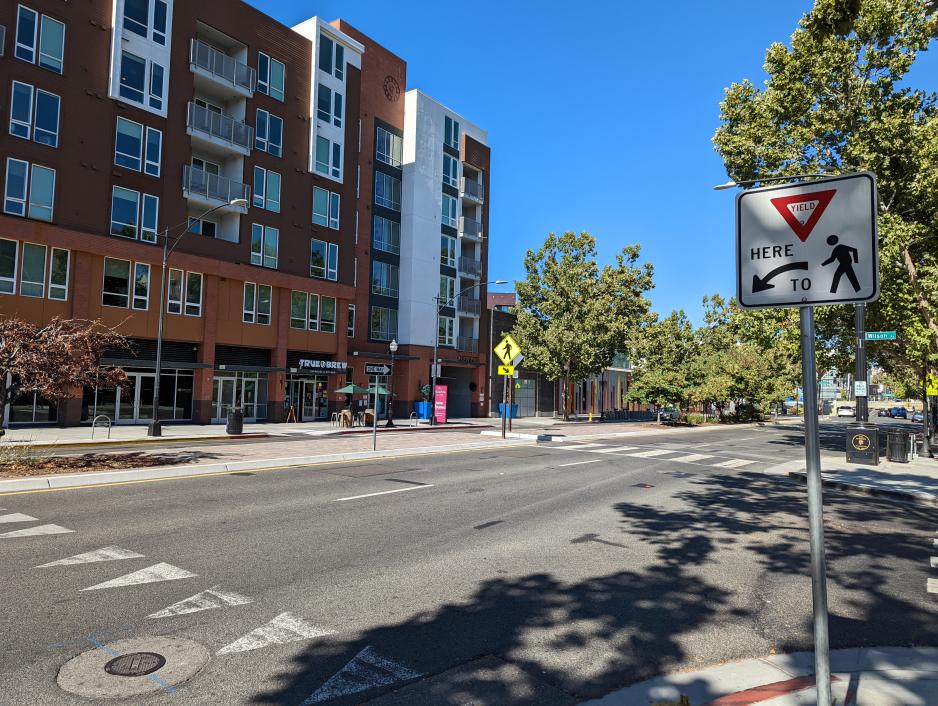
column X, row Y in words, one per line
column 135, row 399
column 224, row 397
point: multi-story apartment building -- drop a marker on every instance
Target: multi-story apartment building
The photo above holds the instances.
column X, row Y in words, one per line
column 303, row 189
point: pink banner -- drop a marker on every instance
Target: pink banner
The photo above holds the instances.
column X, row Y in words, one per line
column 439, row 404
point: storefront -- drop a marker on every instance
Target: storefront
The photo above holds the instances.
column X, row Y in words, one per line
column 310, row 381
column 30, row 408
column 239, row 388
column 132, row 403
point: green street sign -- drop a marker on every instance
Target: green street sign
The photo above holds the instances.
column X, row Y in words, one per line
column 880, row 335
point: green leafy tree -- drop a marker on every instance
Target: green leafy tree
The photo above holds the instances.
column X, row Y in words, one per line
column 573, row 316
column 835, row 102
column 667, row 368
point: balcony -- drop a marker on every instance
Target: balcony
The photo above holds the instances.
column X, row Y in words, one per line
column 470, row 228
column 220, row 72
column 471, row 190
column 470, row 266
column 211, row 190
column 469, row 305
column 467, row 344
column 215, row 131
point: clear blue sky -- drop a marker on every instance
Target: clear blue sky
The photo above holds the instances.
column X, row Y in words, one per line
column 599, row 114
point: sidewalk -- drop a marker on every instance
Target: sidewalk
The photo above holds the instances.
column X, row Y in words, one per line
column 881, row 676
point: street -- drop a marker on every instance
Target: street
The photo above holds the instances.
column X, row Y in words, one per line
column 541, row 574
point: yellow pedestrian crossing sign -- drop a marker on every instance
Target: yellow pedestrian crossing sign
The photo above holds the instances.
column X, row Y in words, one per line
column 931, row 386
column 507, row 349
column 506, row 369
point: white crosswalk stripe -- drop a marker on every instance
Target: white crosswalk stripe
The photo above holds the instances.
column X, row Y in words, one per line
column 285, row 628
column 17, row 517
column 932, row 585
column 35, row 531
column 652, row 453
column 103, row 554
column 580, row 447
column 733, row 463
column 208, row 599
column 690, row 458
column 151, row 574
column 614, row 449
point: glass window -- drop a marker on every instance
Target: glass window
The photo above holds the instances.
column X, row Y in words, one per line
column 324, row 103
column 317, row 258
column 298, row 304
column 336, row 160
column 260, row 129
column 174, row 292
column 33, row 278
column 334, row 203
column 451, row 132
column 350, row 328
column 51, row 44
column 260, row 184
column 128, row 147
column 159, row 21
column 272, row 202
column 263, row 304
column 447, row 291
column 322, row 155
column 125, row 205
column 450, row 170
column 154, row 151
column 270, row 76
column 193, row 294
column 337, row 109
column 27, row 26
column 47, row 119
column 137, row 16
column 58, row 274
column 116, row 289
column 388, row 147
column 384, row 279
column 383, row 323
column 332, row 271
column 14, row 201
column 447, row 251
column 257, row 244
column 21, row 110
column 132, row 77
column 250, row 304
column 326, row 48
column 320, row 206
column 277, row 79
column 446, row 328
column 156, row 86
column 449, row 211
column 268, row 135
column 141, row 286
column 263, row 73
column 327, row 315
column 339, row 62
column 41, row 192
column 313, row 312
column 387, row 191
column 8, row 253
column 387, row 235
column 271, row 246
column 148, row 218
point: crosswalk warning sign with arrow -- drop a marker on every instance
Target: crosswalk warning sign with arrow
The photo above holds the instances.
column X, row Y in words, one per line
column 507, row 349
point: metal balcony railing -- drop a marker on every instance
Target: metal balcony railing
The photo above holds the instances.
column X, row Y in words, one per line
column 470, row 188
column 223, row 67
column 465, row 343
column 469, row 228
column 470, row 266
column 469, row 305
column 212, row 187
column 223, row 127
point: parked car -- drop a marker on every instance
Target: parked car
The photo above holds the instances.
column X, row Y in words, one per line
column 898, row 413
column 918, row 417
column 669, row 415
column 882, row 412
column 846, row 411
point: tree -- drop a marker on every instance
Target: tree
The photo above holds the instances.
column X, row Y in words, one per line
column 667, row 367
column 57, row 358
column 572, row 315
column 835, row 102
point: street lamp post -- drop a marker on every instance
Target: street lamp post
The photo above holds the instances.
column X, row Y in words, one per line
column 393, row 347
column 156, row 428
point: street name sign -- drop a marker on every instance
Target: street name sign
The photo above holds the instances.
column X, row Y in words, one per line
column 382, row 369
column 808, row 243
column 507, row 349
column 506, row 369
column 880, row 335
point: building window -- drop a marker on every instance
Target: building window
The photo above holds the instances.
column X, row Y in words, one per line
column 445, row 331
column 447, row 290
column 298, row 304
column 33, row 277
column 33, row 29
column 193, row 294
column 268, row 135
column 128, row 212
column 257, row 303
column 326, row 208
column 34, row 114
column 29, row 190
column 149, row 216
column 329, row 105
column 116, row 289
column 350, row 327
column 249, row 308
column 270, row 76
column 328, row 157
column 265, row 243
column 383, row 323
column 387, row 235
column 192, row 281
column 142, row 81
column 154, row 152
column 133, row 152
column 58, row 274
column 387, row 191
column 449, row 211
column 141, row 300
column 174, row 292
column 331, row 57
column 8, row 255
column 203, row 227
column 324, row 260
column 156, row 86
column 450, row 170
column 384, row 279
column 451, row 132
column 447, row 251
column 313, row 313
column 388, row 147
column 139, row 19
column 266, row 189
column 327, row 315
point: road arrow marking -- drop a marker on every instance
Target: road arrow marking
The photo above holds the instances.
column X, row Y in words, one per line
column 33, row 531
column 104, row 554
column 760, row 284
column 213, row 597
column 285, row 628
column 17, row 517
column 151, row 574
column 367, row 670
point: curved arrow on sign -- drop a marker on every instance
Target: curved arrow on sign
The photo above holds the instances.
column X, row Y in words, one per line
column 760, row 284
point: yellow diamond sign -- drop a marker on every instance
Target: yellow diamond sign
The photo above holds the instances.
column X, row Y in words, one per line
column 931, row 386
column 507, row 349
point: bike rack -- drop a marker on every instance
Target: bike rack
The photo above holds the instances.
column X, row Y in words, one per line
column 94, row 423
column 414, row 419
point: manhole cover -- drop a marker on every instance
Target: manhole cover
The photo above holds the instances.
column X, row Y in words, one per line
column 136, row 664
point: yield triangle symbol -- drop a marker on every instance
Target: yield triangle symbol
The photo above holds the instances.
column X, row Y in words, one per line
column 151, row 574
column 285, row 628
column 803, row 211
column 368, row 670
column 104, row 554
column 213, row 597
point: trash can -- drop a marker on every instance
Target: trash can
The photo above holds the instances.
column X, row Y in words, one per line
column 863, row 444
column 899, row 446
column 235, row 423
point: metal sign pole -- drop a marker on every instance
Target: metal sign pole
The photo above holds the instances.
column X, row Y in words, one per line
column 374, row 417
column 504, row 404
column 822, row 666
column 862, row 401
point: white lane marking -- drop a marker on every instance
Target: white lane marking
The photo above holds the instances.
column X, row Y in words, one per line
column 932, row 585
column 733, row 463
column 103, row 554
column 151, row 574
column 578, row 447
column 579, row 463
column 614, row 449
column 690, row 458
column 33, row 531
column 367, row 670
column 934, row 561
column 208, row 599
column 653, row 453
column 285, row 628
column 17, row 517
column 384, row 492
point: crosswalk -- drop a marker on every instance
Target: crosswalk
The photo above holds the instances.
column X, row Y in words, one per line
column 674, row 455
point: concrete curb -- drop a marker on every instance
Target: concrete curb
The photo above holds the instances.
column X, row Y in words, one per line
column 94, row 478
column 908, row 496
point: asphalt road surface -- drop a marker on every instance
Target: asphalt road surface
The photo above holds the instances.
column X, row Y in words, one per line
column 543, row 574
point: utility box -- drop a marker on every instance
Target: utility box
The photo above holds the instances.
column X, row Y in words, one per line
column 899, row 446
column 863, row 444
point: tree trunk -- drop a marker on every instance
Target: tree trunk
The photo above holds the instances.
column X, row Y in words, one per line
column 923, row 304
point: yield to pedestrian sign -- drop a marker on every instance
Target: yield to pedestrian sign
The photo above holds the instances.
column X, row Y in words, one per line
column 810, row 243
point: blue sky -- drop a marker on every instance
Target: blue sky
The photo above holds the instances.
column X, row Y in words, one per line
column 599, row 114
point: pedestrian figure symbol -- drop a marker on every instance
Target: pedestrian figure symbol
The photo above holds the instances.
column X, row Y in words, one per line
column 846, row 257
column 508, row 348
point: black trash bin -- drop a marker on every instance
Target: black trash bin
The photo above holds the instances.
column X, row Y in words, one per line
column 235, row 423
column 863, row 444
column 899, row 446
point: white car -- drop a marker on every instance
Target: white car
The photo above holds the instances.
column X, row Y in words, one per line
column 846, row 411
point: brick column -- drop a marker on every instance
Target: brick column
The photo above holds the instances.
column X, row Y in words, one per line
column 276, row 382
column 203, row 380
column 69, row 409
